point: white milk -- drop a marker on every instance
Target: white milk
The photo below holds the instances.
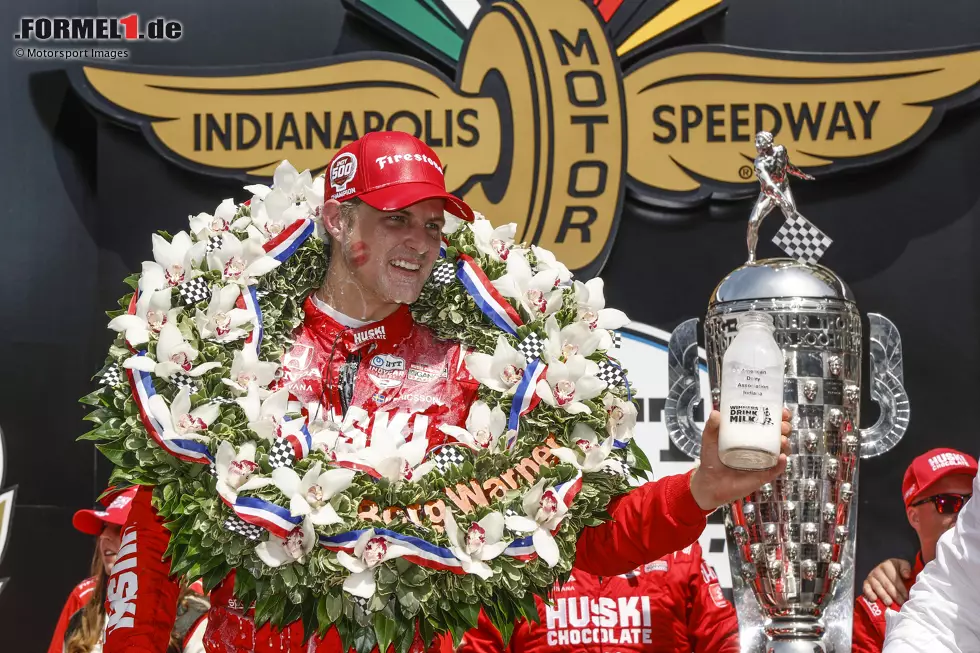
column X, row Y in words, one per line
column 751, row 396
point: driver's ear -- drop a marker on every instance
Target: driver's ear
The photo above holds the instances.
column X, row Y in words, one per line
column 332, row 218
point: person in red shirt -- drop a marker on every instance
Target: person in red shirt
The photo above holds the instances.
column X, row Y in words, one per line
column 936, row 486
column 670, row 605
column 384, row 211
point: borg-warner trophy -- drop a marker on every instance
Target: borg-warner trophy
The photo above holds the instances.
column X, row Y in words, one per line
column 791, row 544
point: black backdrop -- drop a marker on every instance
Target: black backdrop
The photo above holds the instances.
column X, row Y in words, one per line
column 82, row 196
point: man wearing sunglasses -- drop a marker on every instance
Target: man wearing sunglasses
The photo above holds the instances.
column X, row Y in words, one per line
column 936, row 487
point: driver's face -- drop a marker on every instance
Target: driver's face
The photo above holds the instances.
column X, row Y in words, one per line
column 391, row 253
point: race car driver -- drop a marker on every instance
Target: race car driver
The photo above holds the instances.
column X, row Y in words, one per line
column 383, row 214
column 670, row 605
column 935, row 488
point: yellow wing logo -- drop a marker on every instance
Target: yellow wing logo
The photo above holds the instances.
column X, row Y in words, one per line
column 693, row 113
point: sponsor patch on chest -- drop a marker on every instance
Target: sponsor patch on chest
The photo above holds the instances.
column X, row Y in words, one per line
column 420, row 373
column 388, row 365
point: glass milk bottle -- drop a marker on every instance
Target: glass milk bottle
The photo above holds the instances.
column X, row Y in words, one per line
column 751, row 396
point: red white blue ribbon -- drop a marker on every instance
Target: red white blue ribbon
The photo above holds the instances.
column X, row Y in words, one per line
column 442, row 247
column 525, row 397
column 487, row 298
column 301, row 443
column 276, row 519
column 188, row 450
column 249, row 301
column 421, row 552
column 289, row 239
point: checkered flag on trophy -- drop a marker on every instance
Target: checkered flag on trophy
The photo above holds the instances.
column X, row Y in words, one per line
column 531, row 346
column 250, row 531
column 448, row 456
column 802, row 240
column 443, row 273
column 194, row 290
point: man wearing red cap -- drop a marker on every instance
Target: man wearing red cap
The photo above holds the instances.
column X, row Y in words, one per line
column 384, row 212
column 936, row 486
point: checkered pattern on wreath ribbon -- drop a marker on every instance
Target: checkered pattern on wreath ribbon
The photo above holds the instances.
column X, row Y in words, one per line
column 194, row 290
column 221, row 400
column 617, row 339
column 181, row 380
column 611, row 373
column 112, row 376
column 281, row 454
column 250, row 531
column 802, row 240
column 531, row 347
column 443, row 273
column 449, row 456
column 214, row 242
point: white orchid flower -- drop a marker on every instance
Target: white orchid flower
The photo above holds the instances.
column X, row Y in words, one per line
column 247, row 368
column 340, row 438
column 152, row 312
column 241, row 262
column 222, row 321
column 481, row 542
column 286, row 179
column 369, row 552
column 502, row 371
column 311, row 494
column 567, row 385
column 390, row 455
column 483, row 427
column 205, row 225
column 592, row 310
column 536, row 292
column 173, row 263
column 173, row 355
column 576, row 339
column 298, row 543
column 178, row 420
column 495, row 243
column 452, row 223
column 543, row 512
column 548, row 261
column 588, row 455
column 620, row 417
column 277, row 211
column 236, row 469
column 267, row 418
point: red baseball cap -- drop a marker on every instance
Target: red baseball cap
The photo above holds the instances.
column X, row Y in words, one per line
column 91, row 522
column 390, row 171
column 927, row 469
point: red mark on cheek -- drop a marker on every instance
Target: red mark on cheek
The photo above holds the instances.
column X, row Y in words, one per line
column 359, row 253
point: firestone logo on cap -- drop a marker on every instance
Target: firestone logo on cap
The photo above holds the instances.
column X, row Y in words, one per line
column 406, row 158
column 342, row 172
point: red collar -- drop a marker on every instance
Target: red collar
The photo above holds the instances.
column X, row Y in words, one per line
column 386, row 332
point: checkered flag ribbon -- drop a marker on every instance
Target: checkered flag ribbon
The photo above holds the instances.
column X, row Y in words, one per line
column 281, row 454
column 222, row 400
column 617, row 339
column 801, row 240
column 443, row 273
column 112, row 376
column 181, row 380
column 250, row 531
column 448, row 456
column 214, row 242
column 531, row 346
column 611, row 373
column 194, row 290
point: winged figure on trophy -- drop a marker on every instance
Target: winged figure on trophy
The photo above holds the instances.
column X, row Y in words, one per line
column 791, row 544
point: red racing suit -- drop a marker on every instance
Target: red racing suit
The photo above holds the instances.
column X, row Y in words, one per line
column 386, row 366
column 670, row 605
column 869, row 618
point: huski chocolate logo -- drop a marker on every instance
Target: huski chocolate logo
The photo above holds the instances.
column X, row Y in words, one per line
column 547, row 94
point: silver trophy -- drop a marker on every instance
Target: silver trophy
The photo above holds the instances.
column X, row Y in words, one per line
column 791, row 544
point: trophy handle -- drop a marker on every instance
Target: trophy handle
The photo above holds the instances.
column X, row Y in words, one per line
column 887, row 388
column 684, row 388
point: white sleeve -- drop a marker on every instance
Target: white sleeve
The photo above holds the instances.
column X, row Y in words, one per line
column 942, row 614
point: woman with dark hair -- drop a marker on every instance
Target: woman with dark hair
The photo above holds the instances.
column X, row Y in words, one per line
column 82, row 620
